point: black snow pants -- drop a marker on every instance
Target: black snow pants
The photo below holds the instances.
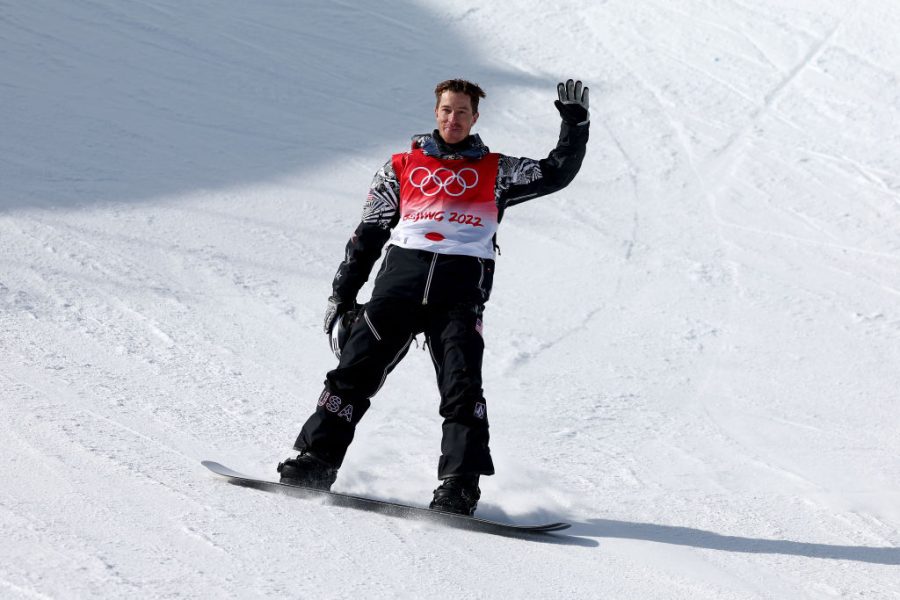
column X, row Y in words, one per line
column 378, row 340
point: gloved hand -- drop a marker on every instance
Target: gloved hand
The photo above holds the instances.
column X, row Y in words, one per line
column 336, row 307
column 573, row 102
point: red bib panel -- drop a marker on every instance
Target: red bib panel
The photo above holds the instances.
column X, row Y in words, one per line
column 446, row 206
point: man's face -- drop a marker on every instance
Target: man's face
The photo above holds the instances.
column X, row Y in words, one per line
column 455, row 116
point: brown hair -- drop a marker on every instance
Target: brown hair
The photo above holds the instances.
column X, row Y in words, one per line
column 472, row 90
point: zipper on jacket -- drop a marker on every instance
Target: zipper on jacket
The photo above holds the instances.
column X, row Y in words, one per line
column 428, row 281
column 384, row 261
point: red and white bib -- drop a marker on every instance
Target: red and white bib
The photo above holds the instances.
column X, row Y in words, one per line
column 446, row 206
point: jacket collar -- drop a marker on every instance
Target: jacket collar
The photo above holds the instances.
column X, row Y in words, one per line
column 433, row 145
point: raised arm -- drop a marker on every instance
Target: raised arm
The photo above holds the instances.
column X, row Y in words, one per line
column 521, row 179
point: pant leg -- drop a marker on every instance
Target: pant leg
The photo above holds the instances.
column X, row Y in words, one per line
column 379, row 339
column 457, row 348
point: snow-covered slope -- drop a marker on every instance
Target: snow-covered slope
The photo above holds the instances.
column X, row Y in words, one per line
column 693, row 350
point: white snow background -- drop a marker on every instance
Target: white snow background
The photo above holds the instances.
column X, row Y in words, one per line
column 693, row 351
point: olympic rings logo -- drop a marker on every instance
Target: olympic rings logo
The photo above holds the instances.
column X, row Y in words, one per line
column 443, row 179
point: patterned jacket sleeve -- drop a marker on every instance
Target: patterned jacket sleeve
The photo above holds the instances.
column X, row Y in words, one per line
column 522, row 179
column 381, row 212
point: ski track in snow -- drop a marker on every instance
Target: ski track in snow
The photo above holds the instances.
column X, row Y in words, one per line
column 691, row 351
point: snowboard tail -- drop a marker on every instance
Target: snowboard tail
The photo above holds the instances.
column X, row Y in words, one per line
column 381, row 506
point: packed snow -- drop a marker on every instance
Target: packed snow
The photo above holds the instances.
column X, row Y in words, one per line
column 693, row 351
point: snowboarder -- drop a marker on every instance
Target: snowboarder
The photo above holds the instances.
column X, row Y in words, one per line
column 437, row 207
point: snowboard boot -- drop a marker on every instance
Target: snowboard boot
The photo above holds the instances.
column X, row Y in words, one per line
column 307, row 470
column 458, row 494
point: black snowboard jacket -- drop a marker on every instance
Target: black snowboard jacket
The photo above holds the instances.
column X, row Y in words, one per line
column 426, row 277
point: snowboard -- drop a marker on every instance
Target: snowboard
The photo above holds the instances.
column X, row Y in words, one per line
column 381, row 506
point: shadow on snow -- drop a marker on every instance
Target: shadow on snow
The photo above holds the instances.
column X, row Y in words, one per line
column 698, row 538
column 107, row 101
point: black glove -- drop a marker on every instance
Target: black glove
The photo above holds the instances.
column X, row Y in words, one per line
column 336, row 307
column 573, row 103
